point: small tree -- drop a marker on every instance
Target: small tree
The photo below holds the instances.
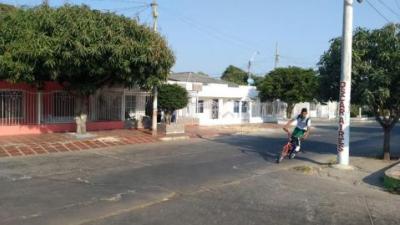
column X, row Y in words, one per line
column 171, row 97
column 235, row 75
column 375, row 75
column 291, row 85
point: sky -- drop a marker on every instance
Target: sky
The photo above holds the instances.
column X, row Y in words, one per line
column 210, row 35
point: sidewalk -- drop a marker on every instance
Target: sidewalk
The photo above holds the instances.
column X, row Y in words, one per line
column 24, row 145
column 367, row 171
column 226, row 130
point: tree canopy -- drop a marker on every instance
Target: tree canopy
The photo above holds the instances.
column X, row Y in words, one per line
column 6, row 8
column 291, row 85
column 375, row 74
column 172, row 97
column 235, row 75
column 81, row 48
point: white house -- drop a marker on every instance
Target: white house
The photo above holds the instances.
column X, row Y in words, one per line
column 215, row 102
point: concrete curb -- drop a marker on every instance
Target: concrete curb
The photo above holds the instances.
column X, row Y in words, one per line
column 391, row 179
column 175, row 138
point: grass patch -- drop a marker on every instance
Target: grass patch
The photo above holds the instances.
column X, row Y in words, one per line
column 391, row 184
column 305, row 169
column 332, row 162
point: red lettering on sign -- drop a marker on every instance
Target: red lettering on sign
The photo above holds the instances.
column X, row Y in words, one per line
column 342, row 110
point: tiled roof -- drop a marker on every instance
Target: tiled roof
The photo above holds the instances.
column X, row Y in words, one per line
column 198, row 78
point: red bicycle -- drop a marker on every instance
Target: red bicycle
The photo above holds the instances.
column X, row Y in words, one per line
column 288, row 149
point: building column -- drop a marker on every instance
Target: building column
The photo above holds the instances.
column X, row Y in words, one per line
column 39, row 107
column 240, row 111
column 250, row 110
column 123, row 106
column 220, row 108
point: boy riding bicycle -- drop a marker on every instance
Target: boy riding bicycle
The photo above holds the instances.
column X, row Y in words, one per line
column 301, row 132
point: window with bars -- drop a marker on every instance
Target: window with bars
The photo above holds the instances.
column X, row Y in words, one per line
column 313, row 106
column 200, row 106
column 245, row 106
column 236, row 106
column 130, row 106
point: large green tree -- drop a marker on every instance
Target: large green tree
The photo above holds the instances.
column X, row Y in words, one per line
column 172, row 97
column 235, row 75
column 291, row 85
column 81, row 48
column 6, row 8
column 375, row 75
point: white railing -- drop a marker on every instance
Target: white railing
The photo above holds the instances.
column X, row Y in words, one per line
column 20, row 107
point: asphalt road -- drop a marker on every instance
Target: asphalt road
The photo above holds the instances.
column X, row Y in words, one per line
column 230, row 180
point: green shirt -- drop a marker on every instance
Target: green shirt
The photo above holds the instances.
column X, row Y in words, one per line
column 298, row 133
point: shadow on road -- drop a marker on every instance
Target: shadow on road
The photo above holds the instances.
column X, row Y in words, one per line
column 367, row 143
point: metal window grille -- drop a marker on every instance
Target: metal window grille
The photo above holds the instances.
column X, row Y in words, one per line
column 200, row 106
column 58, row 107
column 236, row 106
column 130, row 106
column 106, row 107
column 244, row 107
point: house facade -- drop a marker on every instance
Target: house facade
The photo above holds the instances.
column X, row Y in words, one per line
column 216, row 102
column 26, row 110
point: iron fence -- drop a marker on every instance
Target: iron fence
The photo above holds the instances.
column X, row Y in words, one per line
column 17, row 107
column 20, row 107
column 106, row 107
column 57, row 107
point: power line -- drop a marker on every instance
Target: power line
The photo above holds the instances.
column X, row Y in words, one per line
column 210, row 30
column 123, row 1
column 210, row 33
column 397, row 4
column 377, row 11
column 126, row 8
column 137, row 14
column 389, row 8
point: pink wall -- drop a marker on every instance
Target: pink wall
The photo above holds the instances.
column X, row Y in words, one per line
column 30, row 109
column 56, row 128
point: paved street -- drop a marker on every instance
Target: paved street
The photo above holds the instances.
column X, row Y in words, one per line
column 228, row 180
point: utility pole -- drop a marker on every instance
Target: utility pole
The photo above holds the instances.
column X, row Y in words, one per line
column 154, row 6
column 276, row 56
column 345, row 86
column 249, row 79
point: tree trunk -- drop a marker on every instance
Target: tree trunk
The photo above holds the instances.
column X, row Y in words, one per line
column 386, row 143
column 289, row 110
column 81, row 111
column 168, row 117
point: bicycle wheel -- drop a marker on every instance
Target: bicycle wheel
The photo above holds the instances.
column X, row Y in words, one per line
column 280, row 158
